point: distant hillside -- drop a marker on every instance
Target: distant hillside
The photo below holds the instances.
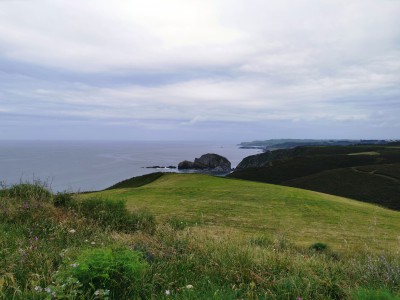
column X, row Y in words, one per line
column 264, row 159
column 337, row 170
column 275, row 144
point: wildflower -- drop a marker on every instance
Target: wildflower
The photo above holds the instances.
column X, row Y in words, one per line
column 167, row 292
column 72, row 231
column 86, row 241
column 38, row 288
column 93, row 243
column 48, row 290
column 97, row 292
column 189, row 286
column 74, row 265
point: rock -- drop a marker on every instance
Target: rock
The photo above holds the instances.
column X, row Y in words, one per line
column 210, row 162
column 185, row 165
column 161, row 167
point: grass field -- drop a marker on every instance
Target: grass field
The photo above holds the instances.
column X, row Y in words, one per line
column 365, row 153
column 195, row 237
column 250, row 208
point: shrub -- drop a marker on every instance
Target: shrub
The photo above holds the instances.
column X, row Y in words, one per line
column 114, row 215
column 36, row 191
column 102, row 272
column 319, row 247
column 63, row 199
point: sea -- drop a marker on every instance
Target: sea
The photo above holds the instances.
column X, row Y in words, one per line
column 78, row 166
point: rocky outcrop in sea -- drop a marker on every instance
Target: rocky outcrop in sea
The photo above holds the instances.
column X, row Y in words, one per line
column 208, row 162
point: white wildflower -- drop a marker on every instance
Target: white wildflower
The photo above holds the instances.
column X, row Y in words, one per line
column 74, row 265
column 189, row 286
column 93, row 243
column 72, row 231
column 38, row 288
column 167, row 292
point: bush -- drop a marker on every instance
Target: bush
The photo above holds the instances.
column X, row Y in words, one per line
column 29, row 192
column 63, row 199
column 114, row 215
column 102, row 272
column 319, row 247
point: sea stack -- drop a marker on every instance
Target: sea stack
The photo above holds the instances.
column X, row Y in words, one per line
column 209, row 162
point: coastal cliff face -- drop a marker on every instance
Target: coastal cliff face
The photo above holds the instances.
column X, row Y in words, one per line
column 263, row 159
column 210, row 162
column 267, row 158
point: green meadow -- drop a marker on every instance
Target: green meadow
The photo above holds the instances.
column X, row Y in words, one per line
column 251, row 208
column 191, row 236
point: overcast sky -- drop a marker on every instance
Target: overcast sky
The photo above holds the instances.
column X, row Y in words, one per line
column 199, row 69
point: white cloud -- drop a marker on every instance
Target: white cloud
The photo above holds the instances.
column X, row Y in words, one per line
column 208, row 100
column 156, row 34
column 237, row 60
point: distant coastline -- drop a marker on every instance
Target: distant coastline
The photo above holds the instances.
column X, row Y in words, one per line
column 275, row 144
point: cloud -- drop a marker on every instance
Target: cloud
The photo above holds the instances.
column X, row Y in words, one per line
column 184, row 64
column 153, row 35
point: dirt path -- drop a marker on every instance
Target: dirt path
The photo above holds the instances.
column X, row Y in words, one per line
column 375, row 174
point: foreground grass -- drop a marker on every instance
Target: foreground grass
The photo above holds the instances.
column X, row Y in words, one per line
column 93, row 248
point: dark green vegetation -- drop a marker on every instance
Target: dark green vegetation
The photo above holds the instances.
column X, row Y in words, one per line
column 368, row 173
column 195, row 237
column 136, row 181
column 274, row 144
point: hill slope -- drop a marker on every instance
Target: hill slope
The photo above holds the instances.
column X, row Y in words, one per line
column 250, row 208
column 333, row 170
column 372, row 183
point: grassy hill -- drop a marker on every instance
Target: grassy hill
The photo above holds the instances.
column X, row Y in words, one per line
column 191, row 236
column 334, row 170
column 249, row 208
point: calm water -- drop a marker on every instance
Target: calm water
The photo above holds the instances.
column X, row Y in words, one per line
column 84, row 166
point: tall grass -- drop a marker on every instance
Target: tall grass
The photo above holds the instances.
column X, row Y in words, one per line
column 114, row 215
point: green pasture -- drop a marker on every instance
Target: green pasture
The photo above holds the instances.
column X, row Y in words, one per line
column 251, row 209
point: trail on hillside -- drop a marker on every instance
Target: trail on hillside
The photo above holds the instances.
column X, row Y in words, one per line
column 376, row 174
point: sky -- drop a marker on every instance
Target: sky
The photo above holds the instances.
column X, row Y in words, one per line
column 199, row 69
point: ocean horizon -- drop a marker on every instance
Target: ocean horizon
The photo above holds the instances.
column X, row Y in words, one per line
column 78, row 166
